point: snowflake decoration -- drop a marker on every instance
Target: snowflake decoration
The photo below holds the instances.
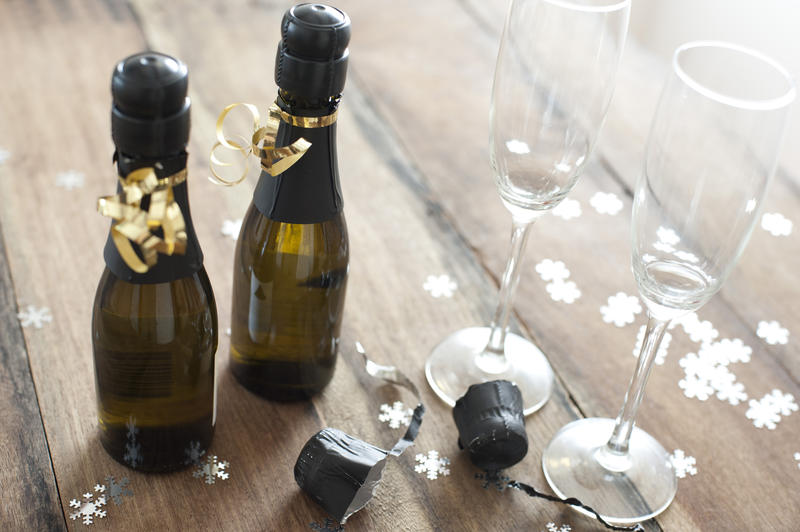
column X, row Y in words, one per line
column 776, row 223
column 552, row 527
column 667, row 236
column 772, row 332
column 133, row 450
column 70, row 179
column 495, row 478
column 661, row 354
column 432, row 465
column 567, row 209
column 621, row 309
column 550, row 270
column 697, row 366
column 517, row 146
column 89, row 507
column 117, row 490
column 193, row 453
column 683, row 464
column 329, row 525
column 688, row 257
column 567, row 291
column 395, row 415
column 797, row 459
column 726, row 351
column 663, row 246
column 732, row 392
column 34, row 316
column 4, row 155
column 700, row 331
column 783, row 403
column 232, row 228
column 211, row 470
column 606, row 203
column 694, row 386
column 763, row 413
column 441, row 285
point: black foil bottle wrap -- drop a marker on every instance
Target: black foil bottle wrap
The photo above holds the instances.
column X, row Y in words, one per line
column 291, row 261
column 154, row 334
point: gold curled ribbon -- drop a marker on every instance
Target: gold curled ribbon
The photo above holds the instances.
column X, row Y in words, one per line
column 135, row 224
column 274, row 160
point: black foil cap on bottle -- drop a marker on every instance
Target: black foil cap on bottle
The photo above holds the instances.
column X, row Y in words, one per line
column 312, row 55
column 150, row 113
column 339, row 472
column 491, row 426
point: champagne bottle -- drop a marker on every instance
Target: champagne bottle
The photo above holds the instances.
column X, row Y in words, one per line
column 154, row 332
column 291, row 262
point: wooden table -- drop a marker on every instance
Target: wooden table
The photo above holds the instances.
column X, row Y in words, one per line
column 420, row 201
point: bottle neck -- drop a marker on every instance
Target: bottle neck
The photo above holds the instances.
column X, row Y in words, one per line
column 309, row 191
column 168, row 267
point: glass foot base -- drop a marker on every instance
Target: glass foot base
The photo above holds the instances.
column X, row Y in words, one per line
column 451, row 367
column 641, row 486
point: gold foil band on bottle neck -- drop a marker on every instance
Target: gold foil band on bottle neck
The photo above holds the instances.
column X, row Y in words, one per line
column 133, row 224
column 274, row 160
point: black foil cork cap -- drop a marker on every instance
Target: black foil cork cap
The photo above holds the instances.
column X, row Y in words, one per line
column 491, row 425
column 150, row 113
column 312, row 55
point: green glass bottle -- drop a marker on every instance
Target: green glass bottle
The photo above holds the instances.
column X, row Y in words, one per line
column 291, row 263
column 154, row 333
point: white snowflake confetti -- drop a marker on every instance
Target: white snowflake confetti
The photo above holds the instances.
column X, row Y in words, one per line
column 783, row 403
column 4, row 155
column 661, row 354
column 35, row 316
column 232, row 228
column 694, row 386
column 797, row 459
column 440, row 285
column 733, row 393
column 763, row 413
column 193, row 453
column 567, row 209
column 211, row 470
column 663, row 246
column 567, row 291
column 432, row 465
column 606, row 203
column 517, row 146
column 621, row 309
column 117, row 490
column 700, row 331
column 552, row 527
column 550, row 270
column 688, row 257
column 726, row 351
column 89, row 507
column 395, row 415
column 772, row 332
column 776, row 223
column 133, row 450
column 683, row 464
column 667, row 236
column 70, row 179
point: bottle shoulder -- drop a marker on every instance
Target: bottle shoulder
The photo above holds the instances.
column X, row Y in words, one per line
column 191, row 294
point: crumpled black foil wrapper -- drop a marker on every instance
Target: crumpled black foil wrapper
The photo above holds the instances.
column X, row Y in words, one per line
column 491, row 426
column 339, row 472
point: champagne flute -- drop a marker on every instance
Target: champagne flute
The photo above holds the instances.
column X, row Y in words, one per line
column 711, row 153
column 553, row 82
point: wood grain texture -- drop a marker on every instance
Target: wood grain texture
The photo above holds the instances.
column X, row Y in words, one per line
column 419, row 200
column 26, row 473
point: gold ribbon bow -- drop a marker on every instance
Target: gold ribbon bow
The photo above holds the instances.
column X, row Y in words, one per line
column 135, row 224
column 274, row 160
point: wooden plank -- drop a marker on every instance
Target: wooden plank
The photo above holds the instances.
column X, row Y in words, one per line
column 26, row 473
column 434, row 100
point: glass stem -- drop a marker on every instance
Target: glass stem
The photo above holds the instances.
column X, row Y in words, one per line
column 616, row 450
column 492, row 359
